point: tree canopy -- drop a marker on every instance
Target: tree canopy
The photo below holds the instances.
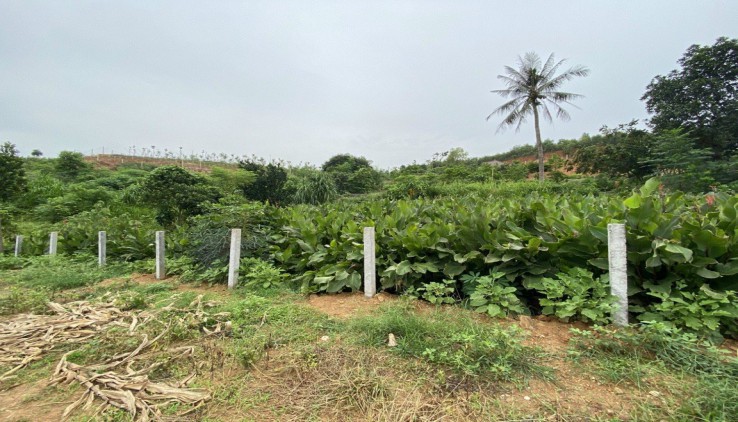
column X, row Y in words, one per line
column 12, row 175
column 175, row 193
column 701, row 97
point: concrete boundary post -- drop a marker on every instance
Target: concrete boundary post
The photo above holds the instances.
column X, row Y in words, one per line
column 18, row 245
column 53, row 239
column 102, row 248
column 161, row 269
column 235, row 258
column 618, row 267
column 370, row 270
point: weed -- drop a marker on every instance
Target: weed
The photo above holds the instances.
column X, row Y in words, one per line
column 455, row 340
column 17, row 300
column 707, row 375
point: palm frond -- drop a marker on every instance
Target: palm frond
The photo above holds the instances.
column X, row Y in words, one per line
column 535, row 84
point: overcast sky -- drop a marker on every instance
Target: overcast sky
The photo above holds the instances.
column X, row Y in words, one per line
column 394, row 81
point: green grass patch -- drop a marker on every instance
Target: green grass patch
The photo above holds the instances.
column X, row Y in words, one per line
column 56, row 273
column 452, row 339
column 700, row 374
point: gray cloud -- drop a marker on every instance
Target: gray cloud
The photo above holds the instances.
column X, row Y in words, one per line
column 393, row 81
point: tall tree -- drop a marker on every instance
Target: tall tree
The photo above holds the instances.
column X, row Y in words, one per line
column 701, row 97
column 532, row 88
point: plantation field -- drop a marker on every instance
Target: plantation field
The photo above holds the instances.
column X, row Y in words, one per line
column 268, row 353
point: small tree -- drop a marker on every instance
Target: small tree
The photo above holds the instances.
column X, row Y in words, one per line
column 679, row 163
column 12, row 175
column 175, row 193
column 36, row 153
column 269, row 182
column 352, row 174
column 70, row 165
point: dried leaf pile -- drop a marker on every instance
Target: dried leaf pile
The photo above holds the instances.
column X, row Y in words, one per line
column 25, row 338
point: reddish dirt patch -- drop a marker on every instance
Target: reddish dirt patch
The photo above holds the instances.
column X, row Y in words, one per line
column 344, row 305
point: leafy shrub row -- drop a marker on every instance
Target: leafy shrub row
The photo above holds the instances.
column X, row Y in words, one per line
column 551, row 250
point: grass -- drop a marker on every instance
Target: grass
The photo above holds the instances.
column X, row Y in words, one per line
column 455, row 340
column 283, row 360
column 654, row 358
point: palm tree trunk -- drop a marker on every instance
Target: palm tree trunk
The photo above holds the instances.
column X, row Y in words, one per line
column 539, row 145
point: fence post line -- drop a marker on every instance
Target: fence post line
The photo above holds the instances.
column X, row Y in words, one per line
column 370, row 271
column 102, row 248
column 235, row 258
column 618, row 268
column 53, row 238
column 161, row 269
column 18, row 245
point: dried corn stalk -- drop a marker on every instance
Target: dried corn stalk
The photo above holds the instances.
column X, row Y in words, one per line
column 25, row 338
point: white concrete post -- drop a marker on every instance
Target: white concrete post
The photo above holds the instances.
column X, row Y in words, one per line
column 102, row 248
column 370, row 271
column 161, row 269
column 18, row 245
column 235, row 258
column 53, row 237
column 618, row 266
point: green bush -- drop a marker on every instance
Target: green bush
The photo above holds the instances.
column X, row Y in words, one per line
column 493, row 294
column 575, row 294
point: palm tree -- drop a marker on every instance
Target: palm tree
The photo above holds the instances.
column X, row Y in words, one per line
column 533, row 88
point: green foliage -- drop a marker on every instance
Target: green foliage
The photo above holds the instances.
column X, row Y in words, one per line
column 175, row 193
column 514, row 171
column 229, row 180
column 412, row 186
column 704, row 311
column 269, row 183
column 54, row 273
column 712, row 397
column 312, row 187
column 42, row 187
column 616, row 152
column 492, row 294
column 207, row 238
column 438, row 293
column 16, row 300
column 71, row 165
column 12, row 174
column 130, row 299
column 671, row 237
column 76, row 198
column 575, row 294
column 352, row 174
column 455, row 341
column 701, row 97
column 679, row 164
column 261, row 274
column 130, row 233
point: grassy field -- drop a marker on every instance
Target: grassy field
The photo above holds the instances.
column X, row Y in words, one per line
column 275, row 355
